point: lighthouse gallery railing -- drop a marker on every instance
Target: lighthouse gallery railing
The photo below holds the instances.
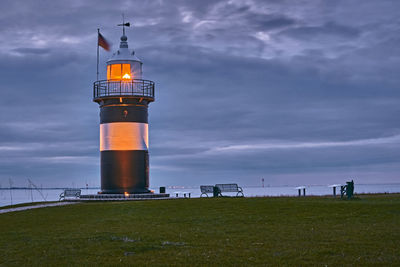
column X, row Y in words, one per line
column 115, row 88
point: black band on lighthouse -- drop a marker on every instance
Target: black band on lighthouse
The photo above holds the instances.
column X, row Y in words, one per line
column 124, row 171
column 123, row 113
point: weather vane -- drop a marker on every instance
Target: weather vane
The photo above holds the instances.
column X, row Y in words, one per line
column 127, row 24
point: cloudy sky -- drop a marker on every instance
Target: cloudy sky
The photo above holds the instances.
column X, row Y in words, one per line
column 295, row 92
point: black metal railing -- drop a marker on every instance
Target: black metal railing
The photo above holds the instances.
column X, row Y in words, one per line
column 115, row 88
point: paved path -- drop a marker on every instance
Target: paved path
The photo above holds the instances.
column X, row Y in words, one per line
column 36, row 206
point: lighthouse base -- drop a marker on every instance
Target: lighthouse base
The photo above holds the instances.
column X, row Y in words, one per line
column 120, row 197
column 125, row 191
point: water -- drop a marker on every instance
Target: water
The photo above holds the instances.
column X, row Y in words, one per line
column 315, row 190
column 26, row 195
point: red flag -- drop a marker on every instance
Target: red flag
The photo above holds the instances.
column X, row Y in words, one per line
column 103, row 42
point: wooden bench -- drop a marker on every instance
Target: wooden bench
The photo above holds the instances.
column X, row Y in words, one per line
column 230, row 188
column 206, row 189
column 75, row 193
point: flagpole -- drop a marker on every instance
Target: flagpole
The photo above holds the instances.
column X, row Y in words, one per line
column 98, row 34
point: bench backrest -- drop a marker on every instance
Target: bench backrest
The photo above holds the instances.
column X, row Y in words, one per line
column 228, row 187
column 72, row 192
column 207, row 188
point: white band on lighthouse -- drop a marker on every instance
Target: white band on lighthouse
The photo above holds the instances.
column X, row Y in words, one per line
column 124, row 136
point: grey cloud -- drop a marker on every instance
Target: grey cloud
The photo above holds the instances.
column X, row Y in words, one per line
column 268, row 22
column 29, row 50
column 327, row 29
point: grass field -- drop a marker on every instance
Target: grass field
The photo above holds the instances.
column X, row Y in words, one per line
column 225, row 231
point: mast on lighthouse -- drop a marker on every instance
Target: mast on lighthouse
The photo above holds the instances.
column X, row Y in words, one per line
column 123, row 99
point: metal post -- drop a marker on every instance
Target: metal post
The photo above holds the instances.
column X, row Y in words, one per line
column 334, row 191
column 10, row 190
column 304, row 192
column 30, row 187
column 299, row 192
column 98, row 33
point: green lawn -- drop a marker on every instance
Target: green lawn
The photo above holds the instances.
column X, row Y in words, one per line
column 225, row 231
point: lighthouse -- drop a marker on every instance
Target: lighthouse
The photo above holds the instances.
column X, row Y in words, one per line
column 124, row 98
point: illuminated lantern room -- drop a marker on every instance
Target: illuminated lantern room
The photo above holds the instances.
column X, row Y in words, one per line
column 124, row 77
column 124, row 65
